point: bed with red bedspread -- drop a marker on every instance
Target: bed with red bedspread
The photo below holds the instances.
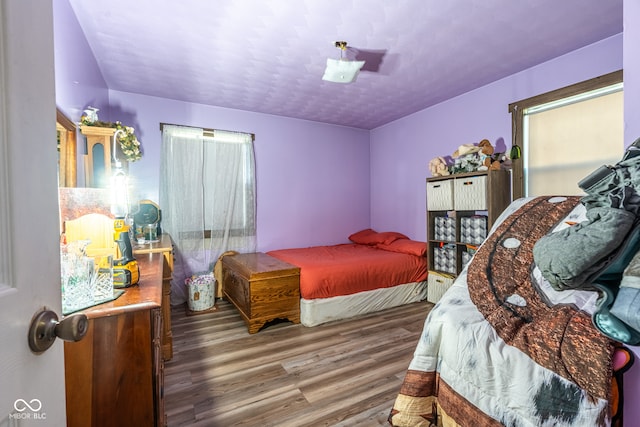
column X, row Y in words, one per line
column 374, row 272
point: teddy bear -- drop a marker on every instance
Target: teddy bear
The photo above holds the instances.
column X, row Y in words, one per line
column 488, row 158
column 438, row 167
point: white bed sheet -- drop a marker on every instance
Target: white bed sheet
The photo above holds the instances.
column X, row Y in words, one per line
column 317, row 311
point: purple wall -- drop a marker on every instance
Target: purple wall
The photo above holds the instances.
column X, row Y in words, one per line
column 79, row 82
column 631, row 133
column 312, row 178
column 318, row 183
column 401, row 151
column 631, row 70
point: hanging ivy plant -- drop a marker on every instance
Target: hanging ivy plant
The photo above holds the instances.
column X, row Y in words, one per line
column 127, row 139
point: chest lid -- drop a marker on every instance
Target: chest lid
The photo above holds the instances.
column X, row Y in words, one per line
column 259, row 266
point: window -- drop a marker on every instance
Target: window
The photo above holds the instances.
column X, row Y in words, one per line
column 566, row 134
column 228, row 160
column 207, row 197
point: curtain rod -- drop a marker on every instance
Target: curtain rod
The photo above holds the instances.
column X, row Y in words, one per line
column 207, row 131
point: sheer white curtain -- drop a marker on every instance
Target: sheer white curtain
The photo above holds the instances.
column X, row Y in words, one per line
column 207, row 196
column 230, row 197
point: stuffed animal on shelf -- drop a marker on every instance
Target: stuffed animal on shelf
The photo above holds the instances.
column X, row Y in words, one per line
column 438, row 167
column 465, row 150
column 467, row 158
column 474, row 157
column 489, row 159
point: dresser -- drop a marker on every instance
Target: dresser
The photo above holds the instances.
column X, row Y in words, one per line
column 262, row 288
column 115, row 375
column 163, row 246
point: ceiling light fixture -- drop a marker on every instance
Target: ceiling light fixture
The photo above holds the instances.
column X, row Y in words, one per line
column 342, row 70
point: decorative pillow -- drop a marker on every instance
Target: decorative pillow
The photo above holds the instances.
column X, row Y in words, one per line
column 364, row 237
column 405, row 246
column 389, row 237
column 372, row 237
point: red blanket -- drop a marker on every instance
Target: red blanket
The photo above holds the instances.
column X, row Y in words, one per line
column 328, row 271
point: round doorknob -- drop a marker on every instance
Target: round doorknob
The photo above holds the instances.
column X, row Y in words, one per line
column 45, row 327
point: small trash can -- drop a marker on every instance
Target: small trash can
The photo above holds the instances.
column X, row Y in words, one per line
column 202, row 291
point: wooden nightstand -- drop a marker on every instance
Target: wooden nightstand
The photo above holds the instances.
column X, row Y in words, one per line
column 262, row 288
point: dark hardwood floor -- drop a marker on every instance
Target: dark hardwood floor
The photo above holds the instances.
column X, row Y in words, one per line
column 344, row 373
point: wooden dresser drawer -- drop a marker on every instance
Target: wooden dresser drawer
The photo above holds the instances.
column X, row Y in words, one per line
column 262, row 288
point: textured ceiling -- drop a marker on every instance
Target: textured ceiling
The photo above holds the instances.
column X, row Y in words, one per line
column 269, row 56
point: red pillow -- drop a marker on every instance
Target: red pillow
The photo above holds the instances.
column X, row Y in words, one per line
column 364, row 237
column 389, row 237
column 372, row 237
column 405, row 246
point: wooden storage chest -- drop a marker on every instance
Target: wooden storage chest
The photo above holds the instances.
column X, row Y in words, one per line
column 262, row 288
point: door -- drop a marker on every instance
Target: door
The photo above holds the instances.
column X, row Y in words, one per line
column 31, row 386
